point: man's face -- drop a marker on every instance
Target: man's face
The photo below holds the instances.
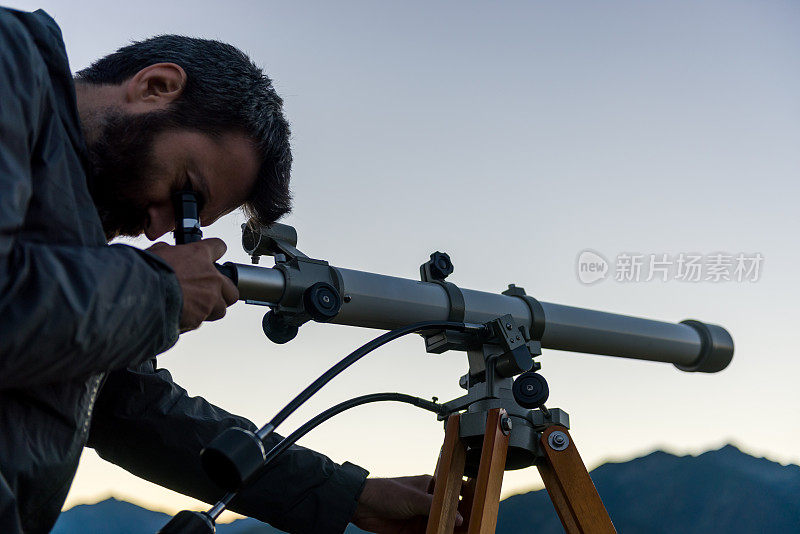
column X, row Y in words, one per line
column 139, row 161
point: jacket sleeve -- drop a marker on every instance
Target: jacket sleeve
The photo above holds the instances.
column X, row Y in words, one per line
column 66, row 311
column 150, row 426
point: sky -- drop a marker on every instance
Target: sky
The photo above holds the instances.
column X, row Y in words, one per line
column 513, row 136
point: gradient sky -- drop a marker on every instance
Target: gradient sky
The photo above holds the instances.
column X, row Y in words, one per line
column 513, row 136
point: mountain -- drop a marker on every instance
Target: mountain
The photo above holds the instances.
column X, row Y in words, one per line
column 121, row 517
column 110, row 515
column 725, row 491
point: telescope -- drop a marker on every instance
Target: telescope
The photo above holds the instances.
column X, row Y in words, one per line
column 299, row 289
column 501, row 423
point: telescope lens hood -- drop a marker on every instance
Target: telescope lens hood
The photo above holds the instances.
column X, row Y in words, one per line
column 716, row 350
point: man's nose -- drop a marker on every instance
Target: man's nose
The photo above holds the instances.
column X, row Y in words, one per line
column 161, row 220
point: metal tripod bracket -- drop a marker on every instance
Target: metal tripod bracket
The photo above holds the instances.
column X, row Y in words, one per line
column 435, row 271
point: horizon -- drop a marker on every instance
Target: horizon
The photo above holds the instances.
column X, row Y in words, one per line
column 229, row 517
column 659, row 492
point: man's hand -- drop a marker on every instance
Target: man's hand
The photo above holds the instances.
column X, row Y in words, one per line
column 206, row 292
column 395, row 505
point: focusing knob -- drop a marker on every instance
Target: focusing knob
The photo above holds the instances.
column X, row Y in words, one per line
column 530, row 390
column 277, row 329
column 322, row 302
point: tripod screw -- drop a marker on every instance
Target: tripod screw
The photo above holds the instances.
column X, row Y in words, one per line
column 505, row 424
column 558, row 441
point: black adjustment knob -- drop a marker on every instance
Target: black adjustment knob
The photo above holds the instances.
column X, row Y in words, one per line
column 440, row 265
column 322, row 302
column 277, row 329
column 232, row 457
column 530, row 390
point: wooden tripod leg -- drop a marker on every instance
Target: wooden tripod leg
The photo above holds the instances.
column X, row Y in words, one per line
column 486, row 499
column 447, row 481
column 465, row 506
column 571, row 489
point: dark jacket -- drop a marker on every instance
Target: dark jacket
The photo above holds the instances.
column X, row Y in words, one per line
column 81, row 321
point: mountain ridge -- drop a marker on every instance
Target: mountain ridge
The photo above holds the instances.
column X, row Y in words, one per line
column 722, row 490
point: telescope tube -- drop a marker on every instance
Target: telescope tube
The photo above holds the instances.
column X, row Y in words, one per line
column 388, row 302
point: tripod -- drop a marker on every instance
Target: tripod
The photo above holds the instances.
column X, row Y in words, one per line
column 571, row 489
column 479, row 442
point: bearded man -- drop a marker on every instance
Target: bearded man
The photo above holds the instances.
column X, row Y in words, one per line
column 88, row 159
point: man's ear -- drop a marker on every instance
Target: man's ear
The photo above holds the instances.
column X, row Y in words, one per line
column 154, row 87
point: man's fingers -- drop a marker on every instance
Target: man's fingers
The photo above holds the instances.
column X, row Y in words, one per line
column 216, row 247
column 157, row 246
column 423, row 503
column 396, row 505
column 427, row 483
column 421, row 482
column 218, row 312
column 207, row 293
column 229, row 291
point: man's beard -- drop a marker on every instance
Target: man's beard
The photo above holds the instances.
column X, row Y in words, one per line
column 120, row 170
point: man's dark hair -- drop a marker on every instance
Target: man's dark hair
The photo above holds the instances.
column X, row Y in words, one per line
column 224, row 92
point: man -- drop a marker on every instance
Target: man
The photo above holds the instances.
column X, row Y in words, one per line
column 82, row 162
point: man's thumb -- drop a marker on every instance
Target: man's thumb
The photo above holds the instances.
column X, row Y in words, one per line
column 216, row 247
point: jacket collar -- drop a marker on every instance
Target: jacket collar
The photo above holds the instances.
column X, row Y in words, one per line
column 48, row 39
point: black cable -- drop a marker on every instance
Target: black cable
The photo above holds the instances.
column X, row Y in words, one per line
column 479, row 330
column 356, row 355
column 290, row 440
column 346, row 405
